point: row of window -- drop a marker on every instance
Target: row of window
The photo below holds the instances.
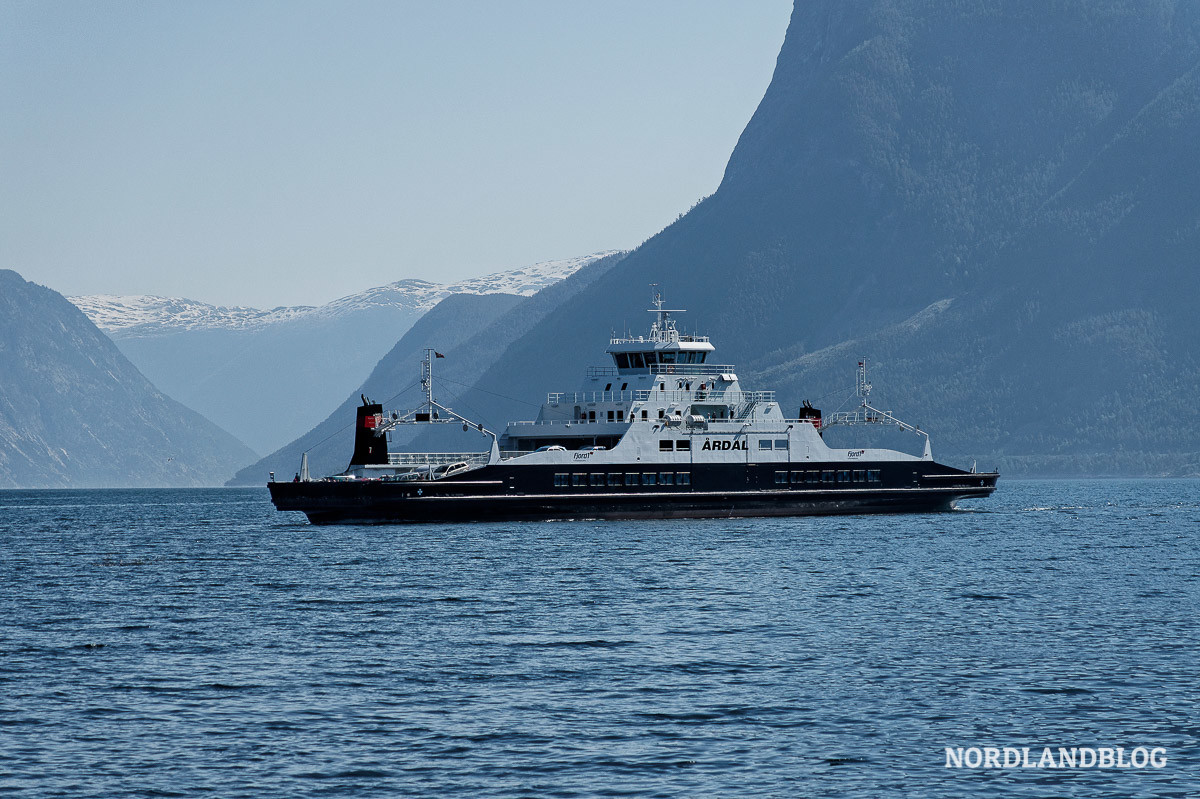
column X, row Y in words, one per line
column 677, row 445
column 640, row 360
column 778, row 443
column 614, row 479
column 829, row 476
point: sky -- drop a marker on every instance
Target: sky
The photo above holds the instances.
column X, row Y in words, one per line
column 285, row 153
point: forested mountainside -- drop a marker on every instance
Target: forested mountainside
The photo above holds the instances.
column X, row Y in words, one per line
column 75, row 413
column 996, row 203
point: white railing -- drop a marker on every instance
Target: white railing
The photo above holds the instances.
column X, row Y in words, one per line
column 667, row 395
column 435, row 458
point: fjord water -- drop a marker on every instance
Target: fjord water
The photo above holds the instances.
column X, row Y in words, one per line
column 196, row 642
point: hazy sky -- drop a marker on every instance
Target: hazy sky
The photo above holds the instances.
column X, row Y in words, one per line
column 272, row 153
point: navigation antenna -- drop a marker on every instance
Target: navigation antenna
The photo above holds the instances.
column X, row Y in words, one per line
column 864, row 388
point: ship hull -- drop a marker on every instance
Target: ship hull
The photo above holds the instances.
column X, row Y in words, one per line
column 500, row 493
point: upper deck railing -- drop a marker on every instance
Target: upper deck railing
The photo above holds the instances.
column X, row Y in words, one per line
column 664, row 369
column 725, row 396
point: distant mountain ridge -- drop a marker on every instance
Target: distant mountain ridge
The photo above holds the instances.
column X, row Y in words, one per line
column 301, row 361
column 125, row 316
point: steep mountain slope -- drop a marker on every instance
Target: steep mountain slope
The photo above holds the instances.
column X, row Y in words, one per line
column 471, row 331
column 991, row 200
column 75, row 413
column 220, row 361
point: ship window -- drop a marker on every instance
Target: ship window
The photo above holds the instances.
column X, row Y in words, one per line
column 614, row 478
column 666, row 357
column 781, row 443
column 644, row 414
column 860, row 476
column 764, row 443
column 843, row 476
column 662, row 386
column 812, row 477
column 666, row 478
column 624, row 386
column 797, row 477
column 620, row 416
column 827, row 476
column 611, row 415
column 780, row 478
column 608, row 386
column 622, row 360
column 683, row 445
column 660, row 413
column 591, row 416
column 873, row 475
column 578, row 479
column 561, row 479
column 649, row 478
column 683, row 478
column 664, row 445
column 631, row 478
column 597, row 478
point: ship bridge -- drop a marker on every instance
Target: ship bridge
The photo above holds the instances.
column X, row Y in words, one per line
column 665, row 346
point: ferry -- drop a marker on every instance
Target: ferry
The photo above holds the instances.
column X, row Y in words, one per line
column 660, row 433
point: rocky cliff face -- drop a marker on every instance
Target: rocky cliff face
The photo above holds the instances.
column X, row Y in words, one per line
column 991, row 201
column 74, row 412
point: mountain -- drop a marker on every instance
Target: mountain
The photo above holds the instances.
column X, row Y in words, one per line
column 991, row 201
column 222, row 360
column 75, row 413
column 470, row 331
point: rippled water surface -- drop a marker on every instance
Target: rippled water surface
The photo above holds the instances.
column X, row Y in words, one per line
column 183, row 643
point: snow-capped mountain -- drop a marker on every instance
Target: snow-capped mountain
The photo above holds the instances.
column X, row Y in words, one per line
column 148, row 315
column 229, row 363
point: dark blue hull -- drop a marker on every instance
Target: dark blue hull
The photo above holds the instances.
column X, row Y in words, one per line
column 528, row 493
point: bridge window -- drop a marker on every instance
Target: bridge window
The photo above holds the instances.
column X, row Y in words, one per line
column 664, row 445
column 666, row 357
column 683, row 478
column 622, row 359
column 651, row 358
column 614, row 478
column 683, row 445
column 635, row 361
column 578, row 479
column 561, row 479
